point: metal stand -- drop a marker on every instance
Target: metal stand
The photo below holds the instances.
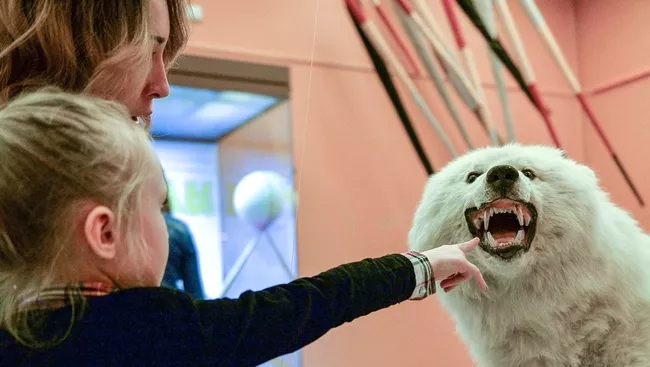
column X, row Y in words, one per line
column 245, row 255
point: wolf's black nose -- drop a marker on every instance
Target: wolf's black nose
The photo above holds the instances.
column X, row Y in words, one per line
column 502, row 178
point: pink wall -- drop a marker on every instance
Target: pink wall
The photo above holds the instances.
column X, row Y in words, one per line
column 613, row 45
column 358, row 176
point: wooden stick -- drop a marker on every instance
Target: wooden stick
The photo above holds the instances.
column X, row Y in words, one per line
column 483, row 106
column 425, row 12
column 391, row 90
column 498, row 49
column 422, row 8
column 527, row 70
column 398, row 39
column 453, row 67
column 375, row 36
column 428, row 60
column 544, row 31
column 486, row 12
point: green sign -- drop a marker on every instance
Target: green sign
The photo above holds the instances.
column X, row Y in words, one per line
column 197, row 198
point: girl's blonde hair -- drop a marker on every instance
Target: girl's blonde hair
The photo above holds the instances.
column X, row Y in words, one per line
column 61, row 151
column 81, row 45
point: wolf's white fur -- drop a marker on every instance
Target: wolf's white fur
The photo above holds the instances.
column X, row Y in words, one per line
column 579, row 297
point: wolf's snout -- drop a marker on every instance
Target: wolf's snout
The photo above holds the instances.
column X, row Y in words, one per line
column 502, row 178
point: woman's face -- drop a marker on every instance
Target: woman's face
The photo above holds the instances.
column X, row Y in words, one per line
column 139, row 100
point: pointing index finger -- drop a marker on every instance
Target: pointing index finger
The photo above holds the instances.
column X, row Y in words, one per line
column 467, row 246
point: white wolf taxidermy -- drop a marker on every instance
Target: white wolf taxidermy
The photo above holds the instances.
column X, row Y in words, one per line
column 568, row 272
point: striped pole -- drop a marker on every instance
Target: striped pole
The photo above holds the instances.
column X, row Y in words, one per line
column 429, row 62
column 544, row 31
column 470, row 64
column 375, row 36
column 487, row 14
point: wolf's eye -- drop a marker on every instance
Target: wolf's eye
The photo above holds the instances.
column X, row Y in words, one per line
column 472, row 176
column 529, row 173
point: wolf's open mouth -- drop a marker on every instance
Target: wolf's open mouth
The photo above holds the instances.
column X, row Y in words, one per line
column 506, row 227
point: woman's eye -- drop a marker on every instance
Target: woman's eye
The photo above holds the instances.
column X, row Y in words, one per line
column 472, row 176
column 529, row 173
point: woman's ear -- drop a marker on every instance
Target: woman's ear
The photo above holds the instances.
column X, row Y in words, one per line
column 99, row 230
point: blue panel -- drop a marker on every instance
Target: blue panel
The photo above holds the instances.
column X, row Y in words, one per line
column 197, row 113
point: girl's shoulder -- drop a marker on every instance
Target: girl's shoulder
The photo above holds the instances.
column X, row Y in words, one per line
column 144, row 299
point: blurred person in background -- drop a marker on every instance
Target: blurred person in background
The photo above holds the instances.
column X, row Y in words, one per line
column 182, row 263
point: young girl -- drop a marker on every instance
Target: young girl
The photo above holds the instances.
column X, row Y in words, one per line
column 83, row 246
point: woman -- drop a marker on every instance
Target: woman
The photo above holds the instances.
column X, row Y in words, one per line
column 116, row 50
column 121, row 51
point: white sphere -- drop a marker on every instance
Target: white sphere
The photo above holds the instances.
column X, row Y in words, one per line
column 260, row 198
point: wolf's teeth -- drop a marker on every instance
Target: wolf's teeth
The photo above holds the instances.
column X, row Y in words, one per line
column 520, row 216
column 477, row 223
column 486, row 220
column 527, row 220
column 491, row 241
column 520, row 236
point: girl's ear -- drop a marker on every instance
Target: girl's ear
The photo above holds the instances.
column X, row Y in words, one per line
column 99, row 230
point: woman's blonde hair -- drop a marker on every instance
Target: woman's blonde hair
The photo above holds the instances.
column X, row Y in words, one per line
column 81, row 46
column 59, row 152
